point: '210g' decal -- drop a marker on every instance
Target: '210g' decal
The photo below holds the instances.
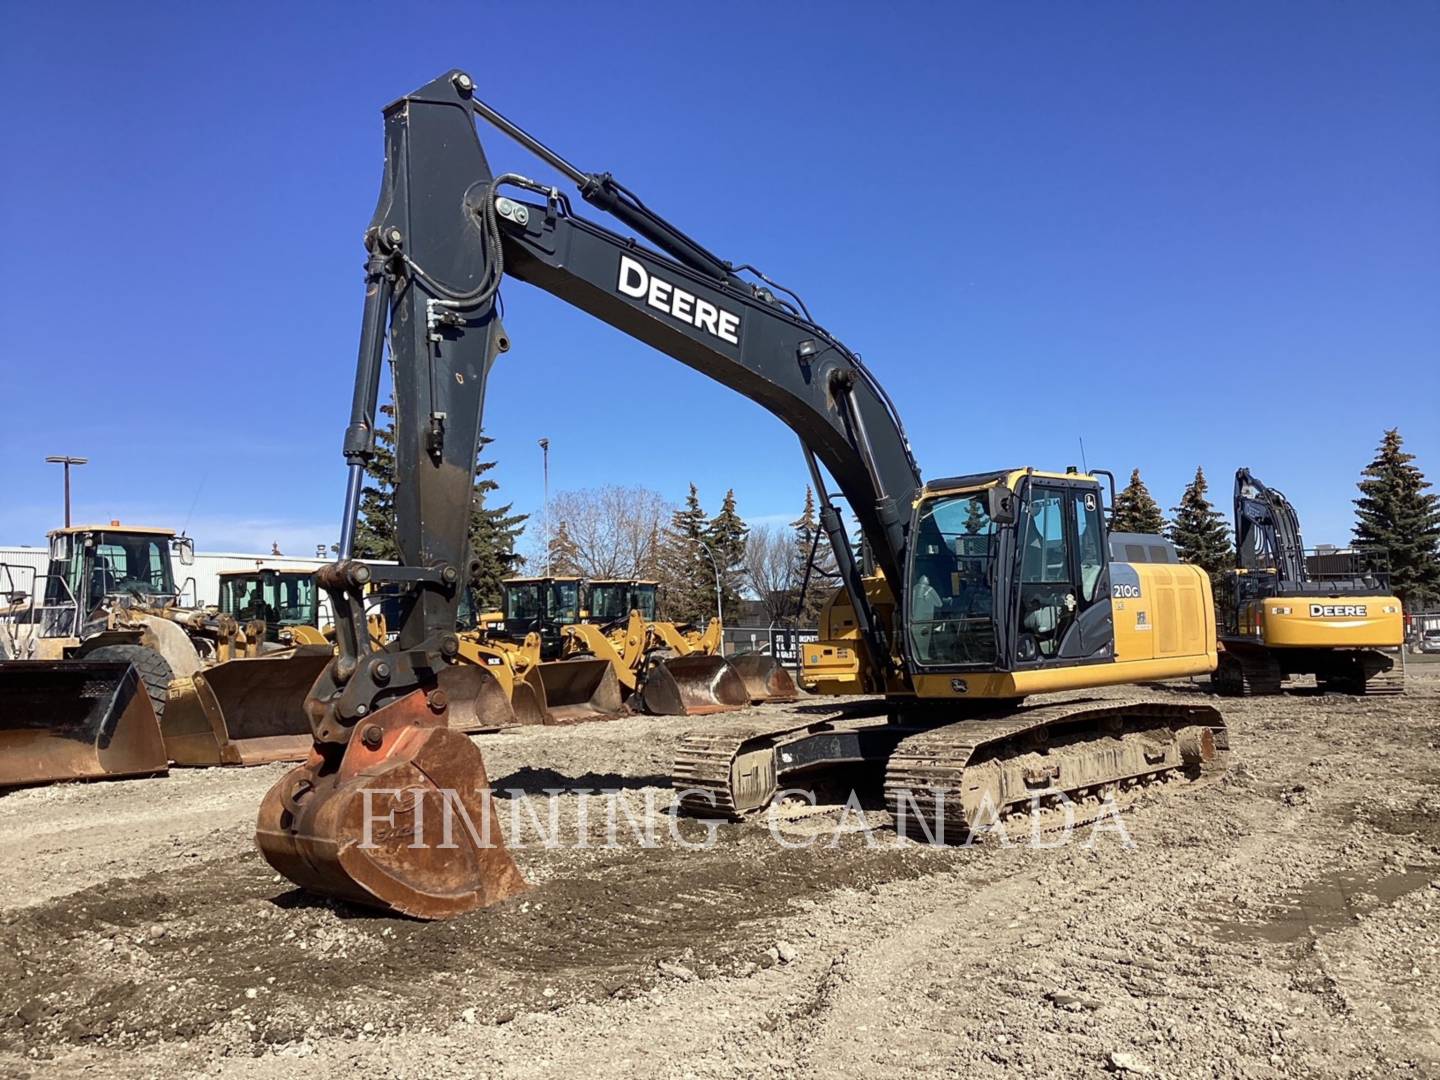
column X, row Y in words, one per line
column 1124, row 590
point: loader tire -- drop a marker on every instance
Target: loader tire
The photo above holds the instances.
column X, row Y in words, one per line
column 154, row 670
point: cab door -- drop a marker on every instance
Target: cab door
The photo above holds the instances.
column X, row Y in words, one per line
column 1063, row 593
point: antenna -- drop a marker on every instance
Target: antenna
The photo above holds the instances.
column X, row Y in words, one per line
column 1085, row 467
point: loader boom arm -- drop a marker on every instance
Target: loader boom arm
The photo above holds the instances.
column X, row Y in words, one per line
column 445, row 233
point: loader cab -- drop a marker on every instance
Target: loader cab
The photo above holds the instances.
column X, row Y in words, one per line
column 612, row 601
column 1009, row 571
column 541, row 605
column 279, row 598
column 90, row 564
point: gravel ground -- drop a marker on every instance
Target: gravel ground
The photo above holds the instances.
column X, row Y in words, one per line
column 1284, row 921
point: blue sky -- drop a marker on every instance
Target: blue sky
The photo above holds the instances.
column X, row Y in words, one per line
column 1192, row 234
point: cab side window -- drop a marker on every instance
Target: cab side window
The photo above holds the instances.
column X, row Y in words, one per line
column 1090, row 533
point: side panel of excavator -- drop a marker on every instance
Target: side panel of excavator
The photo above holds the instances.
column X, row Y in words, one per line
column 75, row 720
column 246, row 711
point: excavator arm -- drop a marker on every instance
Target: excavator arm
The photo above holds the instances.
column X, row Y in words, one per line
column 445, row 233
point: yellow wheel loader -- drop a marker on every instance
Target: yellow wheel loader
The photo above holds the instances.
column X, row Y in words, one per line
column 1288, row 612
column 667, row 668
column 218, row 693
column 284, row 600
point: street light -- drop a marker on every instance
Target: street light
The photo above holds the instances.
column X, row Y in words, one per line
column 67, row 461
column 545, row 455
column 719, row 610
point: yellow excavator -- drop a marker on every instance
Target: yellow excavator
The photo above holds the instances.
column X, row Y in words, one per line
column 983, row 588
column 1288, row 612
column 109, row 596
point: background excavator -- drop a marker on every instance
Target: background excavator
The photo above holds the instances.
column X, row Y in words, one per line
column 987, row 587
column 1288, row 612
column 110, row 596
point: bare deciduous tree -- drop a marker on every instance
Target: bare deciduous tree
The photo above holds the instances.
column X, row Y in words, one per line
column 770, row 570
column 607, row 532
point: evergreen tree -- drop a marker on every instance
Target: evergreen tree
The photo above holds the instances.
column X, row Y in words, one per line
column 1199, row 532
column 687, row 581
column 725, row 534
column 494, row 531
column 375, row 529
column 1395, row 515
column 824, row 576
column 1135, row 510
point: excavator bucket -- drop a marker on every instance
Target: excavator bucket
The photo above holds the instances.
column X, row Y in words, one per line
column 692, row 686
column 765, row 677
column 246, row 711
column 75, row 720
column 580, row 690
column 401, row 819
column 478, row 702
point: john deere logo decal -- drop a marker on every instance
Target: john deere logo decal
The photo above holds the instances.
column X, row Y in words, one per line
column 1337, row 611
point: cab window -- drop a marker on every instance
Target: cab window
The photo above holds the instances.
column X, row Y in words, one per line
column 951, row 607
column 1089, row 533
column 1047, row 595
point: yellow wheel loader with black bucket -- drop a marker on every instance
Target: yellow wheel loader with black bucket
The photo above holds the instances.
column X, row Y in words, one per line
column 220, row 694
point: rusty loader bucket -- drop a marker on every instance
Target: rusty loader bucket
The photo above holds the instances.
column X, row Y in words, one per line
column 580, row 690
column 400, row 818
column 478, row 702
column 693, row 686
column 246, row 711
column 765, row 677
column 75, row 720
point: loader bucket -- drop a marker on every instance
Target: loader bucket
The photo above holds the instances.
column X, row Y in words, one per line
column 477, row 701
column 580, row 690
column 406, row 826
column 765, row 677
column 246, row 711
column 692, row 686
column 75, row 720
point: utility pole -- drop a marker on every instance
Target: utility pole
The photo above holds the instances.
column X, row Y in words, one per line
column 67, row 461
column 545, row 457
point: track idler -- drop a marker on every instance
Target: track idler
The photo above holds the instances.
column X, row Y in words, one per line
column 765, row 677
column 693, row 686
column 400, row 818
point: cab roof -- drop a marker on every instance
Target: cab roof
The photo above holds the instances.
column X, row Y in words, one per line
column 1008, row 477
column 113, row 527
column 267, row 570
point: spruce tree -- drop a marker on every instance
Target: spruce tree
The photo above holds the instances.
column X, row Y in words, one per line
column 824, row 575
column 725, row 533
column 1135, row 510
column 687, row 581
column 375, row 529
column 1199, row 532
column 1395, row 515
column 494, row 531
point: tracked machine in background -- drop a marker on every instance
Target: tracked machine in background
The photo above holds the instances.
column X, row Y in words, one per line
column 987, row 587
column 109, row 597
column 1287, row 612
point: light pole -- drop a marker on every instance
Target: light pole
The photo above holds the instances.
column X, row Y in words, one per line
column 545, row 458
column 719, row 609
column 67, row 461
